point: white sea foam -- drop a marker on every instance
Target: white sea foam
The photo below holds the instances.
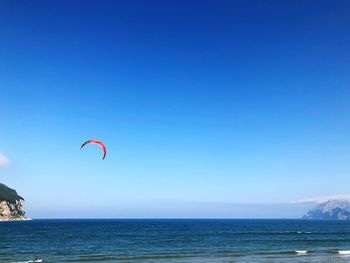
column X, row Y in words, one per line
column 29, row 261
column 300, row 251
column 344, row 252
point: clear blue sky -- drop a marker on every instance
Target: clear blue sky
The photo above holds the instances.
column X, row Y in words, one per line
column 198, row 102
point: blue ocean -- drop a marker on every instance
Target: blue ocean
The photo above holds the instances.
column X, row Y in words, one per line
column 175, row 241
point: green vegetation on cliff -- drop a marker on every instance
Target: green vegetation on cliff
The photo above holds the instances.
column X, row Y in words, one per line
column 8, row 194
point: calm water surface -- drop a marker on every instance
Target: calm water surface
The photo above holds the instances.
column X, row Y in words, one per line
column 174, row 240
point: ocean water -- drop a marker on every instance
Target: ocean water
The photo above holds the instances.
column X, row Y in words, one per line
column 174, row 241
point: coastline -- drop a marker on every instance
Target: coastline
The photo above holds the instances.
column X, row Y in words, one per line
column 16, row 219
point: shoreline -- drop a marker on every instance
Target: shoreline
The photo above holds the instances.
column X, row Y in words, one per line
column 16, row 219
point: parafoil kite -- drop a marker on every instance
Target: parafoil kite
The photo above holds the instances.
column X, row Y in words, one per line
column 98, row 143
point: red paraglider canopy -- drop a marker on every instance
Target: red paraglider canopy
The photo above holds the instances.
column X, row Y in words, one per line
column 98, row 143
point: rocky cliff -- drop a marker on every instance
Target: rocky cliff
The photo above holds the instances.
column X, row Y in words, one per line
column 11, row 205
column 332, row 209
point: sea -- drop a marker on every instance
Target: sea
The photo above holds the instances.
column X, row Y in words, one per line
column 174, row 240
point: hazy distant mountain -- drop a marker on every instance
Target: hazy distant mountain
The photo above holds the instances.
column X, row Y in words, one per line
column 11, row 204
column 332, row 209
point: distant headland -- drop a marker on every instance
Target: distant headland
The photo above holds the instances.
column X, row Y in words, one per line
column 11, row 205
column 330, row 210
